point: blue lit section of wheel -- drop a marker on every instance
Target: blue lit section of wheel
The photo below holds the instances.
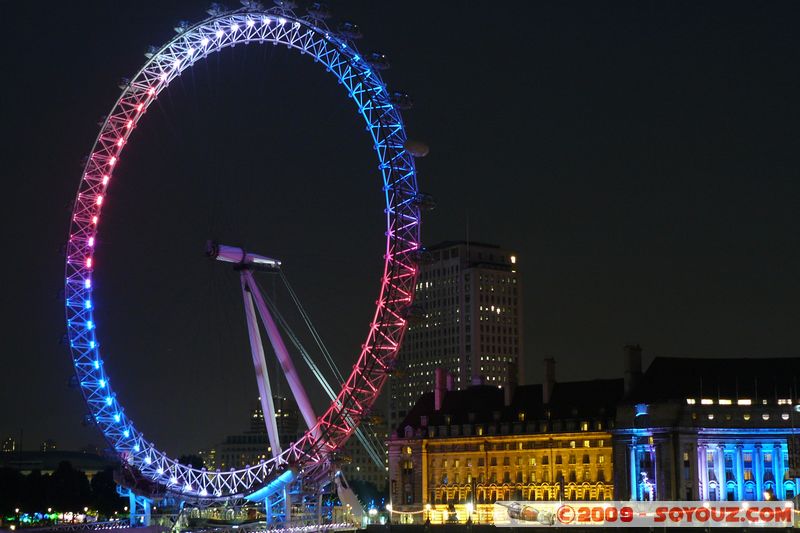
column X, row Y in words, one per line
column 360, row 78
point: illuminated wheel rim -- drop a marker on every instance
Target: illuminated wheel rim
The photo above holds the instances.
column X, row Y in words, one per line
column 396, row 165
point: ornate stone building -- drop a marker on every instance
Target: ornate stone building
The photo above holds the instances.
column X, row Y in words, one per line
column 709, row 429
column 458, row 451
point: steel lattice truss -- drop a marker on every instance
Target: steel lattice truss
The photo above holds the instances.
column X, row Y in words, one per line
column 366, row 88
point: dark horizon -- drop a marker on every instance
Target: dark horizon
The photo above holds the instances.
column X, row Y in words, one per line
column 641, row 158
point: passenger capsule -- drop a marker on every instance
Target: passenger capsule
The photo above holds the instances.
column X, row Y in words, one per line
column 416, row 148
column 349, row 30
column 319, row 11
column 182, row 26
column 377, row 60
column 216, row 9
column 401, row 100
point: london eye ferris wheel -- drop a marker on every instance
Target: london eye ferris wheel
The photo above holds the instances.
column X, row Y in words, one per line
column 359, row 76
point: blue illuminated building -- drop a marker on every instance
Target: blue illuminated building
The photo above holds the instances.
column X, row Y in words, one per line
column 708, row 429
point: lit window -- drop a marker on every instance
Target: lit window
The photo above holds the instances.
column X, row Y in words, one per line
column 765, row 416
column 744, row 402
column 706, row 401
column 725, row 402
column 691, row 401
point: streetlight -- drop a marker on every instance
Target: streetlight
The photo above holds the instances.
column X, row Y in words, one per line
column 469, row 512
column 428, row 512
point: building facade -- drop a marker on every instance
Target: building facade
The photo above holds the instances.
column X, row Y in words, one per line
column 252, row 445
column 469, row 297
column 710, row 429
column 686, row 429
column 458, row 451
column 9, row 445
column 359, row 465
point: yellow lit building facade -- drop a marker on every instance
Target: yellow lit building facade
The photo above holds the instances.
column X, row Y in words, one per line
column 550, row 442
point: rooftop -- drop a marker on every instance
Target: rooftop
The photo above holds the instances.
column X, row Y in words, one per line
column 678, row 378
column 484, row 404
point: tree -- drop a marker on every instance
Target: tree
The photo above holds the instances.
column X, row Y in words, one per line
column 367, row 492
column 67, row 489
column 104, row 493
column 34, row 492
column 11, row 490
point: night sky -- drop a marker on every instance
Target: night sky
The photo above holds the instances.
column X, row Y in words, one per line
column 641, row 157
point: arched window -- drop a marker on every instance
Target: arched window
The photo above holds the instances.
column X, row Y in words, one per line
column 750, row 491
column 732, row 492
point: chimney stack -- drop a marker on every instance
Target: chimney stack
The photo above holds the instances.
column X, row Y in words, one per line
column 439, row 387
column 549, row 379
column 632, row 366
